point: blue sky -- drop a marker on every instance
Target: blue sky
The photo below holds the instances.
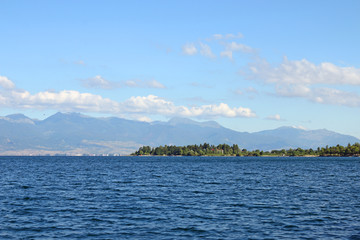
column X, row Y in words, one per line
column 249, row 65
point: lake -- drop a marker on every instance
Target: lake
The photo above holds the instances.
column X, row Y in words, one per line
column 179, row 198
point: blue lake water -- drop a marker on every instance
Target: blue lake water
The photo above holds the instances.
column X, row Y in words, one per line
column 179, row 198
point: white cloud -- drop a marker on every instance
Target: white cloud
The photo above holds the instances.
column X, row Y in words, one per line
column 70, row 100
column 205, row 50
column 6, row 83
column 67, row 100
column 150, row 104
column 189, row 49
column 221, row 110
column 155, row 105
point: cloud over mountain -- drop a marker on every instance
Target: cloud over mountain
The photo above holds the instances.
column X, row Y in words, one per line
column 71, row 100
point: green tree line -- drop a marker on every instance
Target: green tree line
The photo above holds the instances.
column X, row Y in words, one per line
column 234, row 150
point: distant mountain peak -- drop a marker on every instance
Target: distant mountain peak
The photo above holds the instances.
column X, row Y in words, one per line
column 73, row 114
column 66, row 115
column 293, row 127
column 73, row 132
column 179, row 120
column 300, row 127
column 18, row 118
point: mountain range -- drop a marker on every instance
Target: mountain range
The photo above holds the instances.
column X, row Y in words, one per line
column 75, row 133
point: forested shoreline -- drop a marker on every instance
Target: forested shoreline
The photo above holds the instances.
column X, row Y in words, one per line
column 234, row 150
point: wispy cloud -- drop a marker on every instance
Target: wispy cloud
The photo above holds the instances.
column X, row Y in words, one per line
column 275, row 117
column 226, row 36
column 200, row 85
column 316, row 83
column 70, row 100
column 72, row 62
column 136, row 83
column 251, row 90
column 233, row 47
column 227, row 53
column 304, row 72
column 205, row 50
column 332, row 96
column 225, row 40
column 99, row 82
column 192, row 49
column 102, row 83
column 189, row 49
column 197, row 99
column 319, row 83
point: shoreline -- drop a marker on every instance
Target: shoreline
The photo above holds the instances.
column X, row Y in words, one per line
column 227, row 156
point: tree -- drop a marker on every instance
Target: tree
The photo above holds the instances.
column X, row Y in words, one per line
column 225, row 149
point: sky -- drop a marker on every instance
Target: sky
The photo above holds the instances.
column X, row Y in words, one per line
column 249, row 65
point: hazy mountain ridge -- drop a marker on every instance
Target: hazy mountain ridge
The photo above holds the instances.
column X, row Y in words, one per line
column 74, row 133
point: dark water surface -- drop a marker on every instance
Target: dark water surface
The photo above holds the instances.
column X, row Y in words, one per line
column 179, row 198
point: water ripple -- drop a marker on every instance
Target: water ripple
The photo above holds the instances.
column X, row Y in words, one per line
column 179, row 198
